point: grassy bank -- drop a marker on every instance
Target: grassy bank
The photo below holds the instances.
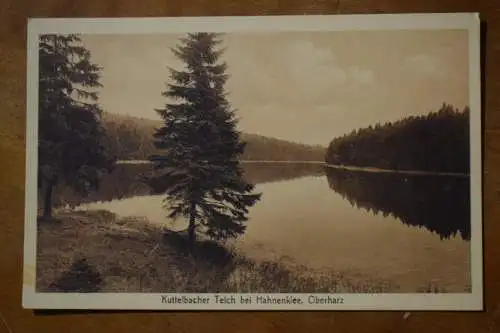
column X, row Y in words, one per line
column 97, row 251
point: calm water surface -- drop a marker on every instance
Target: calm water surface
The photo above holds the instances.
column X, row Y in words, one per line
column 411, row 230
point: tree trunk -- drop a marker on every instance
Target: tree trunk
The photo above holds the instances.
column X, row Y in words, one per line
column 191, row 228
column 47, row 201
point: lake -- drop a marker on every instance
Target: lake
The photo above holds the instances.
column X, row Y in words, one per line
column 413, row 230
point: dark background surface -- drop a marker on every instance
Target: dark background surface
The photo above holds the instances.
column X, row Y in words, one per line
column 13, row 18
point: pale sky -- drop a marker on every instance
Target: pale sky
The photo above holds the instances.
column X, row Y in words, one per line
column 304, row 87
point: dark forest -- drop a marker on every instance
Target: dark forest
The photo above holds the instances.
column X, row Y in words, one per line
column 437, row 142
column 129, row 138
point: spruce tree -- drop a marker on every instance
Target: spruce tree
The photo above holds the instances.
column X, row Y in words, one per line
column 198, row 168
column 70, row 131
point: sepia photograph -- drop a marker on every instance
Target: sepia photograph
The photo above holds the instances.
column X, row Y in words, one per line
column 253, row 163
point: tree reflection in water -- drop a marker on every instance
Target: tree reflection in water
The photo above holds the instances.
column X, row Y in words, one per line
column 441, row 204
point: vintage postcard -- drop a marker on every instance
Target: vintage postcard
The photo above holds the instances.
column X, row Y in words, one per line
column 254, row 163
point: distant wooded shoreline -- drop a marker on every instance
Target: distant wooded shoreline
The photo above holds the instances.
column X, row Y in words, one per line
column 335, row 166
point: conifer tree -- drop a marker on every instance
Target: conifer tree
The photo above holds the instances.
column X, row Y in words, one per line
column 70, row 132
column 199, row 168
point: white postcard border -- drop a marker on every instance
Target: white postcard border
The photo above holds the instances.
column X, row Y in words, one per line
column 140, row 301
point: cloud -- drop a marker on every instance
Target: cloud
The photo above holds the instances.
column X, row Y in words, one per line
column 293, row 73
column 424, row 65
column 310, row 69
column 361, row 75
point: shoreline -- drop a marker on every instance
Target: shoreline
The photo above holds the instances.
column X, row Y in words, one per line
column 333, row 166
column 97, row 251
